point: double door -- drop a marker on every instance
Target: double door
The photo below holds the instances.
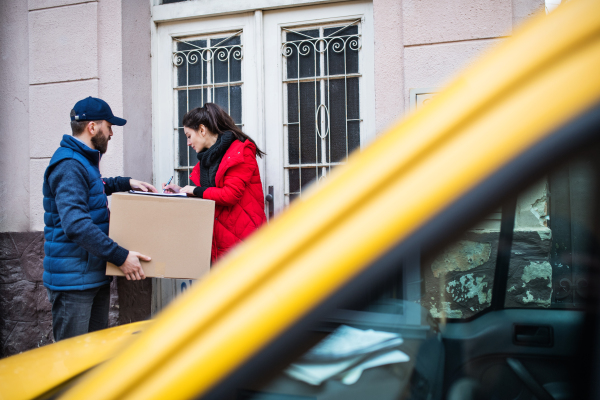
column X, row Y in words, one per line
column 299, row 81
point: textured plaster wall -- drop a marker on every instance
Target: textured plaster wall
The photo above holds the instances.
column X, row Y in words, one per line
column 137, row 89
column 60, row 51
column 441, row 38
column 110, row 85
column 55, row 101
column 435, row 21
column 424, row 43
column 74, row 52
column 389, row 77
column 41, row 4
column 63, row 67
column 14, row 107
column 525, row 9
column 434, row 65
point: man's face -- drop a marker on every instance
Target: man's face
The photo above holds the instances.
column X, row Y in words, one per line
column 102, row 136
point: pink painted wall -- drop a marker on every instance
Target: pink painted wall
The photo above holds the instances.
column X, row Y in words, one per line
column 14, row 117
column 423, row 43
column 74, row 52
column 137, row 89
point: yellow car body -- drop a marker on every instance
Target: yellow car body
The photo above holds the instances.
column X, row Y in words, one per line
column 336, row 232
column 43, row 370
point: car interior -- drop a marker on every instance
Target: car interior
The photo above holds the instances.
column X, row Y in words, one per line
column 503, row 311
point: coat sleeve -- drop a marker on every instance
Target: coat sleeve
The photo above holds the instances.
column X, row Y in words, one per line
column 234, row 183
column 117, row 184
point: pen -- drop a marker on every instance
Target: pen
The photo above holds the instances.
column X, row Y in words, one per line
column 168, row 183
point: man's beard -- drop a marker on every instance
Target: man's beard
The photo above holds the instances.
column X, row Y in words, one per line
column 100, row 142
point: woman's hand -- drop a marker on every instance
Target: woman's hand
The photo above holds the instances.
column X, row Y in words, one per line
column 189, row 190
column 171, row 188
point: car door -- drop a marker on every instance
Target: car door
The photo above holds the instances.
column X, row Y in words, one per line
column 529, row 342
column 422, row 185
column 492, row 315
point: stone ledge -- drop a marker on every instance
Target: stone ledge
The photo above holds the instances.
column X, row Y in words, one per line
column 26, row 318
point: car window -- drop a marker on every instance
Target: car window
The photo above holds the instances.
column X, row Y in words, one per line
column 553, row 235
column 388, row 344
column 458, row 281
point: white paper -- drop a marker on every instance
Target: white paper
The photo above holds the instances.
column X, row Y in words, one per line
column 347, row 349
column 158, row 194
column 391, row 357
column 317, row 373
column 346, row 341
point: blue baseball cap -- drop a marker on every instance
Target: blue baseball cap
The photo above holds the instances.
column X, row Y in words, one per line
column 93, row 109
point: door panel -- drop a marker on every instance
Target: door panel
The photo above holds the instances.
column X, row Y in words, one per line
column 199, row 61
column 320, row 102
column 480, row 348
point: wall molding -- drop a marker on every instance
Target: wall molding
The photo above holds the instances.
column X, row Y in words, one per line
column 206, row 8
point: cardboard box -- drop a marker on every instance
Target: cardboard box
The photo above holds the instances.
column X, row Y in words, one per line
column 175, row 231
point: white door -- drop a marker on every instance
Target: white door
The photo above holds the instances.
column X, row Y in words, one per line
column 319, row 93
column 199, row 61
column 299, row 81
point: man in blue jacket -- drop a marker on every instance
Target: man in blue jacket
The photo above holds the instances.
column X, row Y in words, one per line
column 76, row 215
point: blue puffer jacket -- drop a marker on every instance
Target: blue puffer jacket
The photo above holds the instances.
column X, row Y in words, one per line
column 76, row 217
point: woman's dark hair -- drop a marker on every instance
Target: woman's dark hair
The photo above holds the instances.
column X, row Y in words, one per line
column 216, row 120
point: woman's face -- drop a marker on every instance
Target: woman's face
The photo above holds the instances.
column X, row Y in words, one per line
column 196, row 139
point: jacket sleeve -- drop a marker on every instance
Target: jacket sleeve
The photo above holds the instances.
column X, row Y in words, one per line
column 234, row 183
column 117, row 184
column 69, row 184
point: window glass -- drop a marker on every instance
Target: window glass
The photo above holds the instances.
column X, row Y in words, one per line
column 459, row 280
column 206, row 69
column 552, row 239
column 432, row 323
column 321, row 85
column 386, row 344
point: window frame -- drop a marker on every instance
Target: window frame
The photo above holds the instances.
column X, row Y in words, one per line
column 297, row 19
column 196, row 9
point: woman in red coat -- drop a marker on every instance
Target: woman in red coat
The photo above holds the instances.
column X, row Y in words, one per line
column 227, row 173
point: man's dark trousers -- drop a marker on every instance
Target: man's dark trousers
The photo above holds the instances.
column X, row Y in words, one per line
column 76, row 312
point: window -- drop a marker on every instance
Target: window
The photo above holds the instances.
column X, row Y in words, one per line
column 322, row 102
column 434, row 322
column 549, row 260
column 553, row 237
column 206, row 69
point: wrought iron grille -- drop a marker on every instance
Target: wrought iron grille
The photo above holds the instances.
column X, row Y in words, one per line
column 321, row 84
column 206, row 69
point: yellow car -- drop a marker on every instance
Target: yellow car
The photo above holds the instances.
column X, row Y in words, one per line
column 400, row 277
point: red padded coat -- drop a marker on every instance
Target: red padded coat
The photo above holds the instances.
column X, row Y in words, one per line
column 238, row 197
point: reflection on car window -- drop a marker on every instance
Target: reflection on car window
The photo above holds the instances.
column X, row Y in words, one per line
column 459, row 280
column 395, row 342
column 388, row 346
column 553, row 232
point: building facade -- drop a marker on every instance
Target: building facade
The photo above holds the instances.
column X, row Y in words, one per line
column 309, row 80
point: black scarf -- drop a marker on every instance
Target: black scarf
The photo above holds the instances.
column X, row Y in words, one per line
column 210, row 159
